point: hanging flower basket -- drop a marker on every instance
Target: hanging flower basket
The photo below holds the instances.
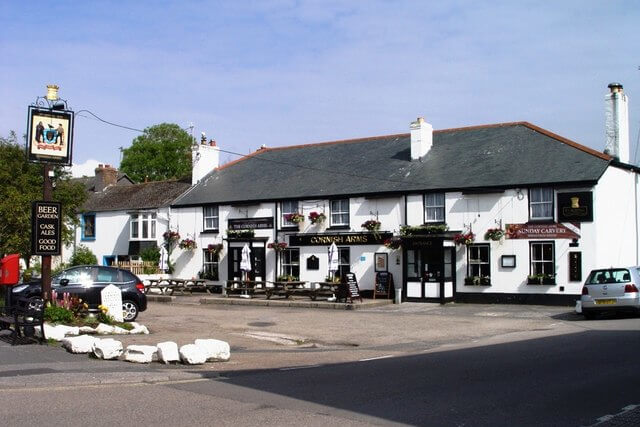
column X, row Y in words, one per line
column 494, row 234
column 294, row 217
column 215, row 248
column 371, row 225
column 236, row 234
column 317, row 217
column 188, row 244
column 277, row 246
column 171, row 237
column 464, row 238
column 393, row 243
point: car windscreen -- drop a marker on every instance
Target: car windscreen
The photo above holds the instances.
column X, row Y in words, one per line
column 612, row 275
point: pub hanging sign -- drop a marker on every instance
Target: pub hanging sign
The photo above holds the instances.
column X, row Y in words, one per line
column 575, row 207
column 46, row 231
column 49, row 135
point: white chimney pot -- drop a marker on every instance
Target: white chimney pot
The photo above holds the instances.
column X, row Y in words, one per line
column 421, row 138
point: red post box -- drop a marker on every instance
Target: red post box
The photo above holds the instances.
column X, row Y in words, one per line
column 10, row 269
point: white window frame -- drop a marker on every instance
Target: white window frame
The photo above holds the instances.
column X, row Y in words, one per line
column 286, row 208
column 287, row 266
column 543, row 261
column 543, row 202
column 433, row 207
column 475, row 250
column 211, row 215
column 338, row 212
column 211, row 259
column 146, row 223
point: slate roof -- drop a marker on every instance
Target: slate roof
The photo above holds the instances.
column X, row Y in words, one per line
column 494, row 156
column 149, row 195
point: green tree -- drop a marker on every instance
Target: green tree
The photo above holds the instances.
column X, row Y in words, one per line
column 21, row 184
column 162, row 152
column 83, row 256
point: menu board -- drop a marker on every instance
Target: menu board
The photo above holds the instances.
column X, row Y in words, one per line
column 384, row 281
column 353, row 291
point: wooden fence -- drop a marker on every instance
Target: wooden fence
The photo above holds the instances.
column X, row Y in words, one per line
column 139, row 267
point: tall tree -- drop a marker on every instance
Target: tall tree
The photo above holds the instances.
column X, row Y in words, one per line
column 162, row 152
column 21, row 184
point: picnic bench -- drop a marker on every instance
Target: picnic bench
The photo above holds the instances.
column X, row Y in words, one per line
column 245, row 287
column 22, row 317
column 172, row 285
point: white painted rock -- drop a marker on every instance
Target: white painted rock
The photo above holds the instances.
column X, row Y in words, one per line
column 168, row 352
column 80, row 344
column 87, row 330
column 107, row 348
column 216, row 350
column 51, row 332
column 140, row 353
column 120, row 331
column 69, row 330
column 191, row 354
column 104, row 329
column 138, row 329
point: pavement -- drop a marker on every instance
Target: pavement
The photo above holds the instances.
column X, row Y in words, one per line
column 286, row 335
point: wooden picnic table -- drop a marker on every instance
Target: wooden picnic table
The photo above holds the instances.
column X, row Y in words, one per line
column 248, row 287
column 174, row 284
column 284, row 288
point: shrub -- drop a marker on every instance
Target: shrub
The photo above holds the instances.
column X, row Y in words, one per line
column 150, row 254
column 55, row 314
column 83, row 256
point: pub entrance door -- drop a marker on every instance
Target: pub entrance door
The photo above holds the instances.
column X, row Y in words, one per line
column 257, row 263
column 429, row 272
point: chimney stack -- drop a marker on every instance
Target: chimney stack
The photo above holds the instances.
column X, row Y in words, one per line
column 106, row 175
column 617, row 123
column 421, row 138
column 205, row 157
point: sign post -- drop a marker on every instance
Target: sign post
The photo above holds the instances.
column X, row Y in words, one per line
column 49, row 141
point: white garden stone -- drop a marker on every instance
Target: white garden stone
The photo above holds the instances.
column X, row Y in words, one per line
column 87, row 330
column 120, row 331
column 80, row 344
column 191, row 354
column 168, row 352
column 215, row 350
column 69, row 330
column 104, row 329
column 51, row 332
column 107, row 348
column 140, row 353
column 138, row 329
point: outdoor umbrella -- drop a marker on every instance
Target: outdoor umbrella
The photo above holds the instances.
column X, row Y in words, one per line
column 334, row 260
column 245, row 261
column 164, row 256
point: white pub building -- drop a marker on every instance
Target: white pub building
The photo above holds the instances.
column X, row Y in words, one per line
column 503, row 212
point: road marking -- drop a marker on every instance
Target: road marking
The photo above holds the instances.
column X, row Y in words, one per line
column 293, row 368
column 376, row 358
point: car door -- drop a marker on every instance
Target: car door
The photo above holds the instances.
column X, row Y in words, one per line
column 76, row 281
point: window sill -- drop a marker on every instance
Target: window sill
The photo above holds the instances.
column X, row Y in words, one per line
column 543, row 282
column 212, row 231
column 88, row 239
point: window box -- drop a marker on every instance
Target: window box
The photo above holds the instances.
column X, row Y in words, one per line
column 477, row 281
column 541, row 280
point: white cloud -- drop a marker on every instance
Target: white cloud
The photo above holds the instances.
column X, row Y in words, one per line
column 85, row 169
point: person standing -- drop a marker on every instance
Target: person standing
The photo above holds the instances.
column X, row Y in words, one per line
column 60, row 135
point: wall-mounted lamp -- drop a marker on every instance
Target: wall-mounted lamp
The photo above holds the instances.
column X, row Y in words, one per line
column 519, row 194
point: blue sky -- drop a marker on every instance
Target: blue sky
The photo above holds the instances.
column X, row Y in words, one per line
column 290, row 72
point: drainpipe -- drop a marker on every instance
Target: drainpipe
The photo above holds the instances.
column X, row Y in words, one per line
column 635, row 197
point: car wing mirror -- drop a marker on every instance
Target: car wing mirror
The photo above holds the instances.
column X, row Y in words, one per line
column 64, row 282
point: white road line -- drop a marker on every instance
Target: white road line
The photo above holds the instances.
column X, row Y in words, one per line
column 376, row 358
column 293, row 368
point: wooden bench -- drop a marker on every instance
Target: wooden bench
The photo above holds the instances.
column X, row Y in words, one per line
column 21, row 318
column 245, row 287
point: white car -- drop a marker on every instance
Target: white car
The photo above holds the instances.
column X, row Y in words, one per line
column 611, row 289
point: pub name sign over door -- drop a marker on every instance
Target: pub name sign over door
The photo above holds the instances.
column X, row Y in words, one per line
column 46, row 220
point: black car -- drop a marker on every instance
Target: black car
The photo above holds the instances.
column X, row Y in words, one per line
column 87, row 281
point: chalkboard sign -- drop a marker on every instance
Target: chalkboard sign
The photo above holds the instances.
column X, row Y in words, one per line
column 353, row 291
column 384, row 282
column 313, row 263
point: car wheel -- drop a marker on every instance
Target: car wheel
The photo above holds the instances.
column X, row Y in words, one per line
column 130, row 310
column 590, row 315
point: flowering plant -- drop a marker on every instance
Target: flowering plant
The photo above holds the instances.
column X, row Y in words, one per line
column 171, row 236
column 239, row 234
column 188, row 244
column 214, row 248
column 464, row 238
column 277, row 246
column 393, row 243
column 371, row 225
column 317, row 217
column 294, row 217
column 494, row 234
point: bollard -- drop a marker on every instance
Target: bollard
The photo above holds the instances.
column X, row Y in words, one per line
column 398, row 299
